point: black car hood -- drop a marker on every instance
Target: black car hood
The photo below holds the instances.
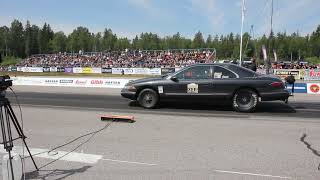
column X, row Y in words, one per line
column 145, row 80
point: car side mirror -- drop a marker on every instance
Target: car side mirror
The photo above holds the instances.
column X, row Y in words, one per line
column 175, row 79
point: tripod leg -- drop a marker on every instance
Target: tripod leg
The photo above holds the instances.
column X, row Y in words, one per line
column 10, row 160
column 20, row 132
column 14, row 120
column 6, row 135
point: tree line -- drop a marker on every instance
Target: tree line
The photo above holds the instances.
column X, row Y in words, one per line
column 22, row 41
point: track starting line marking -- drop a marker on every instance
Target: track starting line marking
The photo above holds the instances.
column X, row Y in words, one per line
column 67, row 156
column 93, row 158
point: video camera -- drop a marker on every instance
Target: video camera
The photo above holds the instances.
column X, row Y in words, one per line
column 5, row 82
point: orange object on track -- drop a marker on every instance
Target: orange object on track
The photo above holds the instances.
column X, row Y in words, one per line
column 117, row 118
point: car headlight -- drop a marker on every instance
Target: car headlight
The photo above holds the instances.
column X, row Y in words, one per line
column 130, row 88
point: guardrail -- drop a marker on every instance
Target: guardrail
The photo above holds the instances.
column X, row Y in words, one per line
column 71, row 82
column 310, row 88
column 302, row 74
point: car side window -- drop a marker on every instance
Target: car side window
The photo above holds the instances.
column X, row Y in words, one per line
column 197, row 72
column 222, row 73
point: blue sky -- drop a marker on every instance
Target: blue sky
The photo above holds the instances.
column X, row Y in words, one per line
column 165, row 17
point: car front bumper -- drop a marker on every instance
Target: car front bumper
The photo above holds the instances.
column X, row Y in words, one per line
column 128, row 94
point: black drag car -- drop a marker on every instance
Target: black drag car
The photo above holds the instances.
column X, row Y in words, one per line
column 239, row 86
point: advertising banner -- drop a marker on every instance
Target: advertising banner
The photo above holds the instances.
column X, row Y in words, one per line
column 119, row 70
column 165, row 71
column 77, row 70
column 155, row 71
column 312, row 74
column 106, row 70
column 87, row 70
column 68, row 70
column 80, row 82
column 60, row 69
column 96, row 70
column 12, row 68
column 71, row 82
column 53, row 69
column 66, row 82
column 96, row 83
column 313, row 88
column 28, row 81
column 298, row 88
column 19, row 69
column 115, row 83
column 283, row 73
column 32, row 69
column 140, row 70
column 46, row 69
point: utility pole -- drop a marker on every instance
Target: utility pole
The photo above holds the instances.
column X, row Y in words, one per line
column 270, row 39
column 242, row 19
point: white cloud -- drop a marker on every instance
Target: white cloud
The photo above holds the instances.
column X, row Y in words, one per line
column 152, row 9
column 210, row 9
column 291, row 16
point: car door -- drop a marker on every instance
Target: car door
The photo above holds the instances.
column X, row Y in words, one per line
column 194, row 82
column 224, row 82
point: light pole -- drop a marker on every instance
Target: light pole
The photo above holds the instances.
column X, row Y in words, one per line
column 241, row 38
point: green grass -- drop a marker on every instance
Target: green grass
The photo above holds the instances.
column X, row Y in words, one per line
column 10, row 60
column 313, row 60
column 61, row 74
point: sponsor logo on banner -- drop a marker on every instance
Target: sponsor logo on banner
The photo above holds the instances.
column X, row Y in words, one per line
column 298, row 88
column 86, row 70
column 313, row 88
column 46, row 69
column 165, row 71
column 53, row 69
column 106, row 70
column 77, row 70
column 119, row 70
column 155, row 71
column 68, row 70
column 140, row 71
column 51, row 81
column 96, row 81
column 112, row 82
column 97, row 70
column 12, row 68
column 66, row 81
column 32, row 69
column 60, row 69
column 283, row 73
column 312, row 74
column 81, row 82
column 27, row 81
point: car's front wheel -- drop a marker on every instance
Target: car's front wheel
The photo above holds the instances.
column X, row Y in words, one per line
column 148, row 98
column 245, row 100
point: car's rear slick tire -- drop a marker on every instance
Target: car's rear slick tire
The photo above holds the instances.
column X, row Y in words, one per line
column 245, row 100
column 148, row 98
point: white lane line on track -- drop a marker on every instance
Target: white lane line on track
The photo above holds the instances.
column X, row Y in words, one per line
column 64, row 155
column 129, row 162
column 69, row 156
column 251, row 174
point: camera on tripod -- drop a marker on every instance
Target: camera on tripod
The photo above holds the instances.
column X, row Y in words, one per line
column 5, row 82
